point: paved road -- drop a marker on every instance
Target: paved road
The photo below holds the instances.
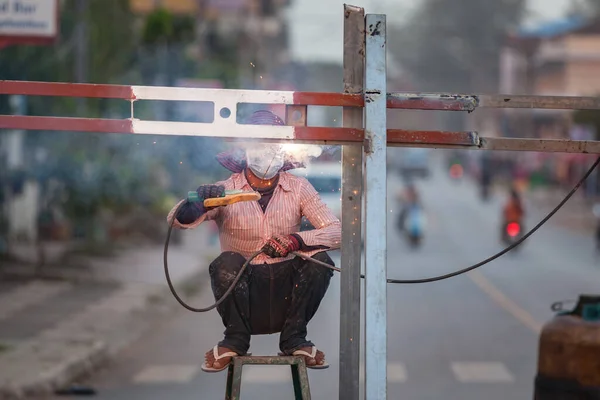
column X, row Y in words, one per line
column 470, row 337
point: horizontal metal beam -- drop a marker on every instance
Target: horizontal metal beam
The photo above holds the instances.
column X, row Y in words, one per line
column 432, row 138
column 461, row 102
column 458, row 140
column 301, row 134
column 221, row 97
column 431, row 101
column 541, row 145
column 231, row 97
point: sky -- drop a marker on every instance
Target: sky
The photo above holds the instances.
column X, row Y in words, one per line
column 316, row 26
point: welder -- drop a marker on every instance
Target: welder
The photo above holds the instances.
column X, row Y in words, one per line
column 279, row 292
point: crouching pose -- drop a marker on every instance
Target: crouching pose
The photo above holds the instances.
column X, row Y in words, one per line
column 278, row 292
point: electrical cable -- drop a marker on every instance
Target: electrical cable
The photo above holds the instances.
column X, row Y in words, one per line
column 172, row 288
column 509, row 248
column 396, row 281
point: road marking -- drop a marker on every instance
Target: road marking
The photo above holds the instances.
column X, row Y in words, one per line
column 507, row 304
column 167, row 374
column 481, row 372
column 266, row 374
column 396, row 372
column 25, row 295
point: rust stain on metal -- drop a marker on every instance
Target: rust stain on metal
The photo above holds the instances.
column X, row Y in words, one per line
column 401, row 136
column 328, row 134
column 296, row 115
column 67, row 90
column 540, row 102
column 544, row 145
column 328, row 99
column 28, row 122
column 426, row 101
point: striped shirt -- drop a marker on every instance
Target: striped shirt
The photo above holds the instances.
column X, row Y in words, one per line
column 244, row 228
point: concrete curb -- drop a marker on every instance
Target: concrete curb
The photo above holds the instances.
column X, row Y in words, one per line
column 61, row 356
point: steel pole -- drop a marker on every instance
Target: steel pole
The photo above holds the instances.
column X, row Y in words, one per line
column 352, row 179
column 375, row 146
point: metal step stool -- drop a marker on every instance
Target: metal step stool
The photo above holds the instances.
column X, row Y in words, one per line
column 299, row 374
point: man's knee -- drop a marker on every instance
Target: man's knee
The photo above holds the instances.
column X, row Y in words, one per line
column 226, row 267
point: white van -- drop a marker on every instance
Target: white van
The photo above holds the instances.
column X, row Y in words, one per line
column 326, row 177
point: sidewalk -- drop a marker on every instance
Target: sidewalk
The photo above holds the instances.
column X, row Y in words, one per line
column 53, row 332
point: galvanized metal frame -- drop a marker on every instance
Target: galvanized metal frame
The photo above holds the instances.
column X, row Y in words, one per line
column 369, row 142
column 375, row 183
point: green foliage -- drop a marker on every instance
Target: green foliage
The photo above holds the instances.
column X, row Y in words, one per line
column 161, row 26
column 85, row 173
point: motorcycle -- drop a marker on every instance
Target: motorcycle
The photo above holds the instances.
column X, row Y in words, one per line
column 512, row 232
column 412, row 224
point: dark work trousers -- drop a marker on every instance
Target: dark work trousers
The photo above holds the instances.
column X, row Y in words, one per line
column 269, row 298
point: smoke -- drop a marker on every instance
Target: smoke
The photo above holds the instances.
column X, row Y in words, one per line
column 301, row 153
column 295, row 153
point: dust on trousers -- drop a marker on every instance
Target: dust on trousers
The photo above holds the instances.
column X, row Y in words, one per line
column 269, row 298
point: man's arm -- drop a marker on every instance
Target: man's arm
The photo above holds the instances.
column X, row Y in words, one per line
column 328, row 229
column 188, row 215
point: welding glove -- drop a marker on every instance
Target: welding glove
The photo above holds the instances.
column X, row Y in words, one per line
column 210, row 191
column 190, row 212
column 281, row 246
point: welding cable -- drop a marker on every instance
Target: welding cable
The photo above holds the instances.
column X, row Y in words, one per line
column 172, row 287
column 397, row 281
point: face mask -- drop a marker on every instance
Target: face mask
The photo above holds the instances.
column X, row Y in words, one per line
column 265, row 162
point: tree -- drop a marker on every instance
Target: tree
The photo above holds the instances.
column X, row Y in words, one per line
column 454, row 46
column 84, row 174
column 447, row 44
column 88, row 171
column 111, row 55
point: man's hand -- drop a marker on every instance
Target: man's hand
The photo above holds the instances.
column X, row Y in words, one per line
column 281, row 246
column 210, row 191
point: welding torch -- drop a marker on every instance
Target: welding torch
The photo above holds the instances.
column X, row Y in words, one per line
column 229, row 197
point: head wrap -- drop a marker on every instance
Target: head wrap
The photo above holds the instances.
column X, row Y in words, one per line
column 235, row 159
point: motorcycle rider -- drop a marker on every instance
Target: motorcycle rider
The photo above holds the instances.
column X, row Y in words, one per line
column 410, row 201
column 513, row 211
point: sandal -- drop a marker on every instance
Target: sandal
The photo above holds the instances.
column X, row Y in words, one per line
column 313, row 355
column 218, row 357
